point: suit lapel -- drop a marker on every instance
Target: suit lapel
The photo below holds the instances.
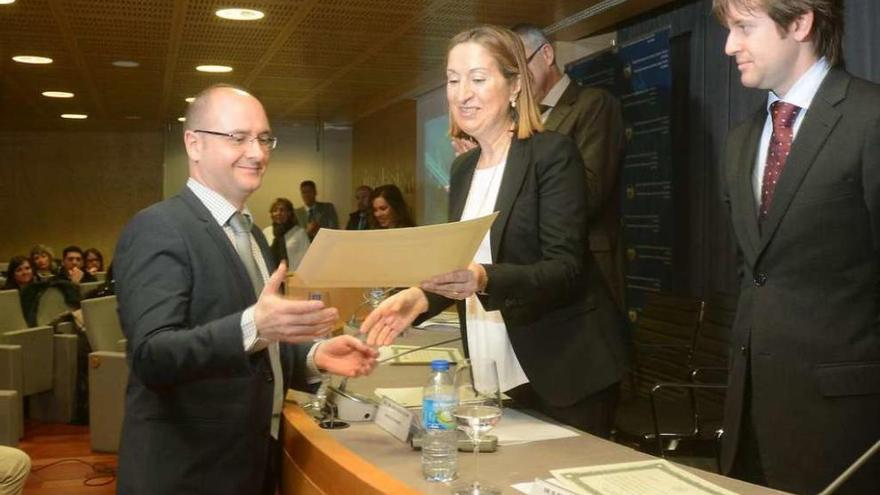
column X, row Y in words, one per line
column 744, row 191
column 514, row 173
column 460, row 182
column 562, row 108
column 820, row 120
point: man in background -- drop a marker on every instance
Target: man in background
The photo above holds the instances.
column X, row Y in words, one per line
column 72, row 266
column 315, row 214
column 360, row 219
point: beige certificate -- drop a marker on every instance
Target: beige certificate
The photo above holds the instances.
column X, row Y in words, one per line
column 654, row 477
column 391, row 257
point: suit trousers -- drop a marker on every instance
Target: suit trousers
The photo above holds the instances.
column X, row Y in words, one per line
column 747, row 462
column 593, row 414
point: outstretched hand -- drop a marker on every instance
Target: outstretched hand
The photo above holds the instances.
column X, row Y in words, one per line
column 286, row 320
column 393, row 316
column 346, row 356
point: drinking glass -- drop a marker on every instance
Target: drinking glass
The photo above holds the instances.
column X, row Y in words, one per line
column 478, row 411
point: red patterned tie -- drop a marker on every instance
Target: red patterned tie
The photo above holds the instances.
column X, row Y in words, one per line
column 783, row 115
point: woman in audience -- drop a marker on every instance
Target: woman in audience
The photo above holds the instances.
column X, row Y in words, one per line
column 43, row 261
column 94, row 260
column 20, row 273
column 288, row 240
column 389, row 208
column 532, row 300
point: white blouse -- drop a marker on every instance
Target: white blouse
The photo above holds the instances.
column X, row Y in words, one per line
column 297, row 242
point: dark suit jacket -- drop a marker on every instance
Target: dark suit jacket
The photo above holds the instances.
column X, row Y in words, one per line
column 808, row 319
column 198, row 408
column 563, row 326
column 593, row 119
column 354, row 219
column 325, row 214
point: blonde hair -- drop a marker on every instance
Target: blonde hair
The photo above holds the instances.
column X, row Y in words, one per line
column 506, row 48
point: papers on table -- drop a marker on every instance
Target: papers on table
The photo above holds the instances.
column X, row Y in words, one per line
column 518, row 427
column 654, row 477
column 391, row 257
column 424, row 356
column 447, row 320
column 405, row 396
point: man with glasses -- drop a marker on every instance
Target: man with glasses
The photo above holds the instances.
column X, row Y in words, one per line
column 212, row 344
column 592, row 118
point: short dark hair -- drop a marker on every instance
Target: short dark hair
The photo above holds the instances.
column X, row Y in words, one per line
column 827, row 31
column 310, row 183
column 72, row 249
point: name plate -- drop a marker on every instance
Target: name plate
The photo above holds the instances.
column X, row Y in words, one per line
column 394, row 418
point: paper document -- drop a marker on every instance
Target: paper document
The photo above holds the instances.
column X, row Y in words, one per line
column 654, row 477
column 424, row 356
column 518, row 427
column 391, row 257
column 405, row 396
column 443, row 321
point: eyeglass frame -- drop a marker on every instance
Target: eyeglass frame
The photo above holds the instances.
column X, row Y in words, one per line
column 270, row 145
column 530, row 57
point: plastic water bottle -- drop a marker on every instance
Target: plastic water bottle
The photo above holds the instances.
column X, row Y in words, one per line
column 440, row 445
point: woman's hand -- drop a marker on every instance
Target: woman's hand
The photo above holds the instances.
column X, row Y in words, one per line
column 459, row 284
column 394, row 315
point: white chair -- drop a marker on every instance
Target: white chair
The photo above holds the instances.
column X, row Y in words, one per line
column 101, row 323
column 86, row 287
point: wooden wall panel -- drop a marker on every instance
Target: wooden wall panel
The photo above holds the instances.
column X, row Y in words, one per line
column 384, row 150
column 60, row 188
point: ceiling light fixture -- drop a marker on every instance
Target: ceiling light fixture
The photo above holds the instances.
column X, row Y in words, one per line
column 190, row 99
column 74, row 116
column 32, row 59
column 127, row 64
column 240, row 14
column 214, row 68
column 181, row 119
column 6, row 2
column 57, row 94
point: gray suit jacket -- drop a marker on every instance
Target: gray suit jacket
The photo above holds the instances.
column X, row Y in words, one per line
column 198, row 408
column 808, row 319
column 593, row 119
column 325, row 214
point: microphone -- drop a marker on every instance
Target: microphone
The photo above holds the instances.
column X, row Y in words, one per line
column 851, row 469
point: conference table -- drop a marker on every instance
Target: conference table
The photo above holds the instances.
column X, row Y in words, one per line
column 365, row 459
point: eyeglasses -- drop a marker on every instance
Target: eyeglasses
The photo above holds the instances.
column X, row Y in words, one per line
column 266, row 141
column 530, row 57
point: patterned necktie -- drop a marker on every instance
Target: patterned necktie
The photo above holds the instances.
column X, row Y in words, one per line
column 241, row 228
column 783, row 115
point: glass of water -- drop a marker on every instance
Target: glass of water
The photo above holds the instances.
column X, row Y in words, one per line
column 478, row 411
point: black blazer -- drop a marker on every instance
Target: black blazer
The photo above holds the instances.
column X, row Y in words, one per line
column 563, row 326
column 198, row 408
column 808, row 318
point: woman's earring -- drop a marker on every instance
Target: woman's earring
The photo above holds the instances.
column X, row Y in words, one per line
column 513, row 104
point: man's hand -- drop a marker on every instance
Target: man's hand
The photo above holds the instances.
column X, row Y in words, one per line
column 290, row 321
column 459, row 284
column 75, row 274
column 461, row 145
column 312, row 228
column 393, row 316
column 346, row 356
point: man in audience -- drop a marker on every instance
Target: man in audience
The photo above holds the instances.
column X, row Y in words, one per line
column 360, row 219
column 593, row 119
column 212, row 344
column 72, row 263
column 315, row 214
column 801, row 179
column 15, row 466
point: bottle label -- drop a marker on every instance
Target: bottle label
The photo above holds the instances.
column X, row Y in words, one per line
column 438, row 414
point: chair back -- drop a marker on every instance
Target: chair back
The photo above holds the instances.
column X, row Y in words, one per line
column 101, row 321
column 664, row 337
column 86, row 287
column 11, row 317
column 711, row 351
column 51, row 305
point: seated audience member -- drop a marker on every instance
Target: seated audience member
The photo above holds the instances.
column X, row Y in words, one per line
column 94, row 260
column 315, row 214
column 389, row 209
column 43, row 261
column 360, row 218
column 20, row 273
column 15, row 466
column 72, row 266
column 286, row 238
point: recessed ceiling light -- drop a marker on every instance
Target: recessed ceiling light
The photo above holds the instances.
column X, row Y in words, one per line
column 126, row 63
column 6, row 2
column 190, row 99
column 57, row 94
column 240, row 14
column 75, row 116
column 32, row 59
column 181, row 119
column 214, row 68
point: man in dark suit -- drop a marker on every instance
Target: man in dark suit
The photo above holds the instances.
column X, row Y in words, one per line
column 73, row 266
column 360, row 219
column 315, row 214
column 212, row 345
column 802, row 182
column 592, row 118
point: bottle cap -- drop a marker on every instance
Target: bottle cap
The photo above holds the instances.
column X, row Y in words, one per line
column 439, row 365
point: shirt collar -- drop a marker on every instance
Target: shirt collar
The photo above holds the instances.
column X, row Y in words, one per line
column 555, row 93
column 805, row 89
column 221, row 209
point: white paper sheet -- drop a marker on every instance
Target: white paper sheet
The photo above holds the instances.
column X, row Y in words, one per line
column 405, row 396
column 653, row 477
column 391, row 257
column 517, row 428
